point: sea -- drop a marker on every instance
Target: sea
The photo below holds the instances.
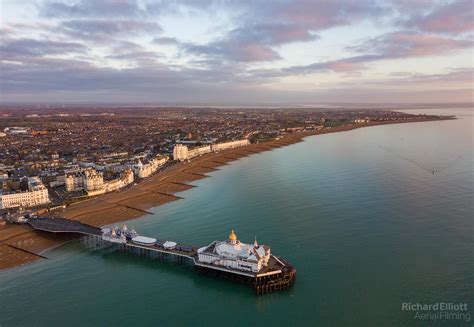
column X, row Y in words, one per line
column 375, row 220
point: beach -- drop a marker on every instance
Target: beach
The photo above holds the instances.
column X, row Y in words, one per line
column 20, row 244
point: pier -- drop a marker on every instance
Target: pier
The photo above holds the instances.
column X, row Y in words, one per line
column 62, row 225
column 276, row 274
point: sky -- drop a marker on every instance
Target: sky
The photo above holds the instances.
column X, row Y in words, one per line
column 207, row 52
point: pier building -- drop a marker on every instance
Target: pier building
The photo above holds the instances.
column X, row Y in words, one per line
column 235, row 254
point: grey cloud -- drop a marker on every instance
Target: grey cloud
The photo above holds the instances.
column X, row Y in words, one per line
column 164, row 40
column 459, row 75
column 388, row 46
column 120, row 45
column 19, row 48
column 280, row 22
column 107, row 28
column 253, row 43
column 317, row 15
column 343, row 65
column 84, row 83
column 259, row 28
column 92, row 8
column 456, row 17
column 233, row 51
column 6, row 31
column 410, row 44
column 42, row 74
column 140, row 58
column 271, row 33
column 131, row 52
column 80, row 81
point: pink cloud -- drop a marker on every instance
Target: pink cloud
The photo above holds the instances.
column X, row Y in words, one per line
column 456, row 17
column 411, row 44
column 344, row 66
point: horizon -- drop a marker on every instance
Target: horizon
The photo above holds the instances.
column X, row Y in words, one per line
column 234, row 53
column 281, row 106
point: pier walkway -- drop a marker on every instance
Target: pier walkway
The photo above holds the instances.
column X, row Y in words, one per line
column 62, row 225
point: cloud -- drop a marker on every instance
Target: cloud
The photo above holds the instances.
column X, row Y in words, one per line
column 264, row 26
column 350, row 64
column 164, row 40
column 410, row 44
column 87, row 28
column 252, row 43
column 396, row 45
column 453, row 78
column 456, row 17
column 229, row 66
column 74, row 80
column 92, row 8
column 319, row 15
column 138, row 58
column 271, row 33
column 234, row 51
column 12, row 49
column 453, row 85
column 40, row 74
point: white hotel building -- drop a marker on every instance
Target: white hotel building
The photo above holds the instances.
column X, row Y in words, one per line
column 125, row 179
column 229, row 145
column 182, row 153
column 93, row 183
column 36, row 195
column 144, row 170
column 88, row 180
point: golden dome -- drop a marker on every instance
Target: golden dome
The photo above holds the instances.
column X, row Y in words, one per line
column 232, row 236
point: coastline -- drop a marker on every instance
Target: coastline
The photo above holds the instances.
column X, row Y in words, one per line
column 20, row 244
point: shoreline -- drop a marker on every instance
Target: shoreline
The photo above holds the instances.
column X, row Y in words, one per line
column 20, row 244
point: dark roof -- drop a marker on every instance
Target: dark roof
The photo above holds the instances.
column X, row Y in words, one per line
column 63, row 225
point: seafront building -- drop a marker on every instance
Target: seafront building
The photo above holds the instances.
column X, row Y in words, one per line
column 182, row 153
column 361, row 120
column 93, row 183
column 229, row 145
column 36, row 195
column 199, row 151
column 87, row 180
column 144, row 170
column 125, row 179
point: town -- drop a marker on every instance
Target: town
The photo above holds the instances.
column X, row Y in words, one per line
column 51, row 157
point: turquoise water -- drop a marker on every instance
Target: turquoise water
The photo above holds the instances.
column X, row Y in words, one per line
column 360, row 214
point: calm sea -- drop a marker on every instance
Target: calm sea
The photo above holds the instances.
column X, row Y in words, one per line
column 360, row 214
